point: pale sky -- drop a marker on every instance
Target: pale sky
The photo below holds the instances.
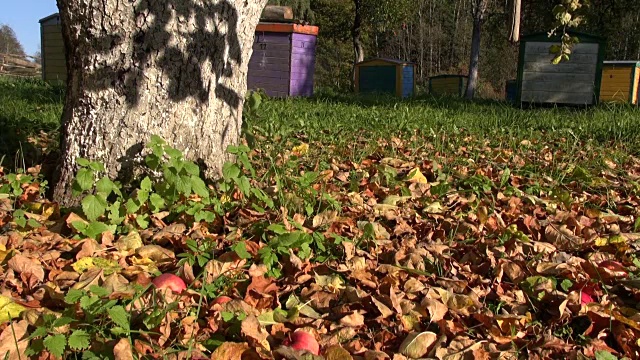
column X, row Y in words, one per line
column 23, row 16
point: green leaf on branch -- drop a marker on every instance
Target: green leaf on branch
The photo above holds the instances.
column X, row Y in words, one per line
column 93, row 207
column 79, row 340
column 55, row 344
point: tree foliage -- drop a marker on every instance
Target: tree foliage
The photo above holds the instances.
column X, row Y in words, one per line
column 436, row 35
column 9, row 43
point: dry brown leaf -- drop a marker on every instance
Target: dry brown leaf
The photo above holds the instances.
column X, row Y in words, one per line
column 437, row 310
column 417, row 345
column 156, row 253
column 255, row 334
column 23, row 265
column 337, row 352
column 562, row 237
column 384, row 309
column 9, row 350
column 122, row 350
column 356, row 319
column 375, row 355
column 324, row 218
column 234, row 351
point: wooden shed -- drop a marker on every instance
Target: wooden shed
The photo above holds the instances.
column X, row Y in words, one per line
column 620, row 81
column 385, row 76
column 572, row 82
column 283, row 60
column 54, row 66
column 455, row 85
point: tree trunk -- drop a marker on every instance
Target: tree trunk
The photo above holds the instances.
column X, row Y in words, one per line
column 421, row 42
column 173, row 68
column 514, row 17
column 356, row 32
column 479, row 9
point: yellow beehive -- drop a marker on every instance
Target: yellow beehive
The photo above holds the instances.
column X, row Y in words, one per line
column 620, row 81
column 54, row 66
column 451, row 85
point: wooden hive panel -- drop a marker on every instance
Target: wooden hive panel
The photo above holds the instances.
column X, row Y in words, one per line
column 618, row 83
column 303, row 60
column 407, row 80
column 269, row 66
column 377, row 79
column 447, row 85
column 54, row 64
column 570, row 82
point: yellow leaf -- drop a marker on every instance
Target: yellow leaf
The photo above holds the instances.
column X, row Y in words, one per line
column 130, row 242
column 617, row 239
column 8, row 309
column 332, row 282
column 83, row 265
column 3, row 252
column 601, row 241
column 300, row 150
column 434, row 208
column 415, row 176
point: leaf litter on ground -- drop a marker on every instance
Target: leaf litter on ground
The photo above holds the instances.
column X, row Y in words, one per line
column 428, row 254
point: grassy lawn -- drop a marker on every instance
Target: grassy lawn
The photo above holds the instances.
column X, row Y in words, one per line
column 417, row 228
column 29, row 108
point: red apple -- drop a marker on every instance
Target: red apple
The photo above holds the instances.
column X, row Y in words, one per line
column 170, row 281
column 302, row 340
column 222, row 300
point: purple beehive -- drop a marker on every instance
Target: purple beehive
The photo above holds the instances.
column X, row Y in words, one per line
column 283, row 60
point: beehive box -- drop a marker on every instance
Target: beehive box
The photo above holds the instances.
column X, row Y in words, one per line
column 573, row 82
column 54, row 66
column 511, row 90
column 452, row 85
column 283, row 60
column 620, row 81
column 385, row 76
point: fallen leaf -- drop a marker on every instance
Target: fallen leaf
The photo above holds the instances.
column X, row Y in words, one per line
column 9, row 349
column 416, row 176
column 437, row 309
column 129, row 242
column 122, row 350
column 234, row 351
column 156, row 253
column 23, row 265
column 416, row 345
column 254, row 332
column 337, row 352
column 354, row 320
column 9, row 309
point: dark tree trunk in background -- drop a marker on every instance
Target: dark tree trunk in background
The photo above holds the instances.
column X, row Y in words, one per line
column 173, row 68
column 356, row 33
column 479, row 8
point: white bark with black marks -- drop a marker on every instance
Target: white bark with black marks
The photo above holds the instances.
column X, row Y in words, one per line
column 173, row 68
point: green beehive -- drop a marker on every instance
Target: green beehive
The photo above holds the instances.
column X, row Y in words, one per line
column 385, row 76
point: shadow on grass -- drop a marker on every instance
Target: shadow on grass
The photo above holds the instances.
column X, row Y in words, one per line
column 29, row 121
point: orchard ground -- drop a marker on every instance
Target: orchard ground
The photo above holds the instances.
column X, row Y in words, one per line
column 429, row 227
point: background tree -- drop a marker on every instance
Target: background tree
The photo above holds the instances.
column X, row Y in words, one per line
column 301, row 8
column 174, row 68
column 9, row 43
column 478, row 13
column 376, row 16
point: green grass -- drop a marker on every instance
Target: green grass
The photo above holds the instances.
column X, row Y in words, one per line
column 352, row 128
column 28, row 108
